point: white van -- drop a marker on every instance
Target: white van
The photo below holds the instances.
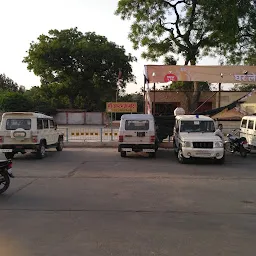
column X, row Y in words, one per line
column 27, row 131
column 247, row 130
column 137, row 133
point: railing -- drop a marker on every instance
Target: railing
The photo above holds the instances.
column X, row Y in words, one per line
column 89, row 134
column 103, row 134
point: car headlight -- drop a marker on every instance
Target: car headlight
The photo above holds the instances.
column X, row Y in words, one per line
column 218, row 144
column 187, row 144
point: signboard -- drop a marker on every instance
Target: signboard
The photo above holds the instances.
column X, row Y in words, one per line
column 121, row 107
column 210, row 74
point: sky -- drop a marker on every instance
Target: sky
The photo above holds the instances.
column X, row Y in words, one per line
column 22, row 21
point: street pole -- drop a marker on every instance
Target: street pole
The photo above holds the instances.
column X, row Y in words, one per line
column 116, row 98
column 154, row 104
column 144, row 95
column 219, row 94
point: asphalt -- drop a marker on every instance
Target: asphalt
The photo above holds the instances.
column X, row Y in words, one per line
column 90, row 201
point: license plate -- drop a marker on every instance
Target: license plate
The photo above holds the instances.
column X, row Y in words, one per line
column 126, row 149
column 141, row 134
column 148, row 150
column 5, row 150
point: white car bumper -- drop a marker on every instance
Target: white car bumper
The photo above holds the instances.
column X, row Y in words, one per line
column 217, row 153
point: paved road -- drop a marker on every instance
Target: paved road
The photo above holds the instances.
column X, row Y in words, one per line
column 92, row 202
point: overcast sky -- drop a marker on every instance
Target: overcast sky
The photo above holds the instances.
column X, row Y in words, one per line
column 22, row 21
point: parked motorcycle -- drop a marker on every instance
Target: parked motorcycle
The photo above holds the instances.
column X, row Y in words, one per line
column 5, row 174
column 237, row 144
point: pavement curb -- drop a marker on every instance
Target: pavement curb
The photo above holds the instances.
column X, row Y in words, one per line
column 109, row 144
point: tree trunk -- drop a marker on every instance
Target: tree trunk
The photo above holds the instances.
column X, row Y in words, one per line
column 195, row 95
column 71, row 101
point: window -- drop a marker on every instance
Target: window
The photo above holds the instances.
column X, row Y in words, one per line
column 46, row 124
column 39, row 124
column 51, row 124
column 251, row 124
column 136, row 125
column 244, row 122
column 197, row 126
column 13, row 124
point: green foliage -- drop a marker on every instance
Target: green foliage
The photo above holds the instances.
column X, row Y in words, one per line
column 192, row 28
column 134, row 97
column 244, row 51
column 14, row 101
column 7, row 84
column 82, row 67
column 244, row 87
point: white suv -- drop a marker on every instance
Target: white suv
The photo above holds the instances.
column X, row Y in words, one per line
column 194, row 137
column 27, row 131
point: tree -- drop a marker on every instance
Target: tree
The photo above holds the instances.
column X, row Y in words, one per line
column 190, row 28
column 244, row 87
column 7, row 84
column 79, row 66
column 244, row 51
column 14, row 101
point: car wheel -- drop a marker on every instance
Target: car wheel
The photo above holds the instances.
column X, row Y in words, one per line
column 123, row 154
column 60, row 145
column 220, row 161
column 41, row 152
column 9, row 155
column 152, row 154
column 180, row 156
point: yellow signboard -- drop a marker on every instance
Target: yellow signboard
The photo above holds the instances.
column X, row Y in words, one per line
column 122, row 107
column 211, row 74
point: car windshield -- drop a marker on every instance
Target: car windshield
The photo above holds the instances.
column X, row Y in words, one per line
column 141, row 125
column 13, row 124
column 197, row 126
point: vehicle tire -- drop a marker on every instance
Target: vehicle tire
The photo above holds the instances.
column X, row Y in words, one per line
column 123, row 154
column 4, row 182
column 9, row 155
column 180, row 156
column 60, row 144
column 152, row 154
column 41, row 152
column 243, row 152
column 220, row 161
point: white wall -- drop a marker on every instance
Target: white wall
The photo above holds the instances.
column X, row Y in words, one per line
column 80, row 118
column 93, row 118
column 76, row 118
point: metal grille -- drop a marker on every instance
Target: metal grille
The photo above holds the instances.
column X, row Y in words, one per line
column 203, row 144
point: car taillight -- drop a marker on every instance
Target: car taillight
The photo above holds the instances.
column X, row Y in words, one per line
column 121, row 138
column 34, row 139
column 1, row 139
column 152, row 138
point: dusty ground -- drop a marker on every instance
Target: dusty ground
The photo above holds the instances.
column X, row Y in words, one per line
column 92, row 202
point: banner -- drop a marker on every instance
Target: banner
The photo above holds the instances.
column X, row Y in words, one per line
column 210, row 74
column 121, row 107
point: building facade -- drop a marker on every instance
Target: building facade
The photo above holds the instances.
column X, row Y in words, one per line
column 167, row 101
